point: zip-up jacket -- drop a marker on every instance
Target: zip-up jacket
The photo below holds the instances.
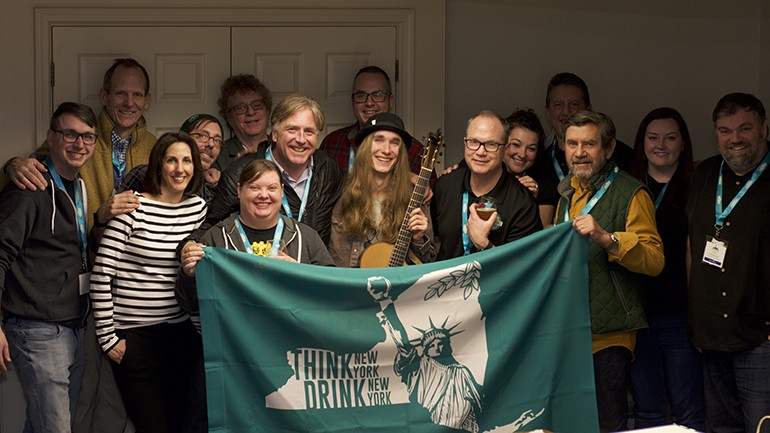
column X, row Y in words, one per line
column 40, row 255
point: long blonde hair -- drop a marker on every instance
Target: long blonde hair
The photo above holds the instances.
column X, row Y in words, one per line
column 357, row 196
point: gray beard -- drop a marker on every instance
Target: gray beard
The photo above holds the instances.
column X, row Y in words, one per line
column 742, row 164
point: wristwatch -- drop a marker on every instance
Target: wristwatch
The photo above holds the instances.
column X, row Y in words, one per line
column 615, row 241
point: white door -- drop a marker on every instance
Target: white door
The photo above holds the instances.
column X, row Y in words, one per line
column 186, row 67
column 316, row 61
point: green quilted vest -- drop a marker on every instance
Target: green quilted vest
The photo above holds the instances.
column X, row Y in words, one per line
column 616, row 294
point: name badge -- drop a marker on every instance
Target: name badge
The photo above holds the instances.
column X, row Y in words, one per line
column 714, row 253
column 85, row 283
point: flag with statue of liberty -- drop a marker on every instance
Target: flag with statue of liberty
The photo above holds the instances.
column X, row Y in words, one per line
column 497, row 341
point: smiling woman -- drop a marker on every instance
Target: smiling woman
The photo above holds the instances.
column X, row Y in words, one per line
column 666, row 366
column 140, row 326
column 522, row 160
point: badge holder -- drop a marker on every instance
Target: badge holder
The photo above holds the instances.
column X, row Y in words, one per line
column 715, row 251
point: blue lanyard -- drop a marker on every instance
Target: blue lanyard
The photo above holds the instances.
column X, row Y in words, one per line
column 284, row 201
column 659, row 199
column 351, row 158
column 79, row 208
column 276, row 237
column 595, row 199
column 467, row 244
column 556, row 166
column 466, row 238
column 119, row 165
column 721, row 215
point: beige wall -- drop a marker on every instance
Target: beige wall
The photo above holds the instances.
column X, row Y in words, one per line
column 635, row 56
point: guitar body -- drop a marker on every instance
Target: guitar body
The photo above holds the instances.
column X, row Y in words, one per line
column 378, row 255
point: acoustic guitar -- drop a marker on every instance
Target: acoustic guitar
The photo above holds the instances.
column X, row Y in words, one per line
column 384, row 254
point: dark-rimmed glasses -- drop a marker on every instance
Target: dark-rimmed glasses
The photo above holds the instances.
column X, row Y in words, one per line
column 243, row 108
column 378, row 96
column 204, row 137
column 489, row 146
column 71, row 136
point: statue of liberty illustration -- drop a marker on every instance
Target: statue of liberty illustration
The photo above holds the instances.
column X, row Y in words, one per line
column 434, row 378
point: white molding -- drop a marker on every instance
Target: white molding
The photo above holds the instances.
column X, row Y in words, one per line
column 48, row 18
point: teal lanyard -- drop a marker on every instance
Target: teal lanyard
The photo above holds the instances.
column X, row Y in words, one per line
column 467, row 244
column 119, row 165
column 466, row 237
column 721, row 214
column 276, row 237
column 79, row 208
column 556, row 166
column 284, row 201
column 595, row 199
column 659, row 199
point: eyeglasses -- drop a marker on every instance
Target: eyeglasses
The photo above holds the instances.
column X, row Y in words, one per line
column 243, row 108
column 71, row 136
column 489, row 146
column 378, row 96
column 203, row 137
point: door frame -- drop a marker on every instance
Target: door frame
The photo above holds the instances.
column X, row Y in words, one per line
column 48, row 18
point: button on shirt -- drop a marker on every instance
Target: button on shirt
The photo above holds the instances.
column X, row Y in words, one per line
column 728, row 306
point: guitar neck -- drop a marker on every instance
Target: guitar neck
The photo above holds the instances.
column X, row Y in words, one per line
column 401, row 247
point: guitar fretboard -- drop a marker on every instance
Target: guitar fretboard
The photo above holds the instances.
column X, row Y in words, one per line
column 401, row 247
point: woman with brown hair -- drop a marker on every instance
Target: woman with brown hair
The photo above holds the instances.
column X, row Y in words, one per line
column 139, row 324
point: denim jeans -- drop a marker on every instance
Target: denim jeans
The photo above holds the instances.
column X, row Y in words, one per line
column 667, row 370
column 49, row 359
column 737, row 389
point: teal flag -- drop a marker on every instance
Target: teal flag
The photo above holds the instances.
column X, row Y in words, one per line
column 497, row 341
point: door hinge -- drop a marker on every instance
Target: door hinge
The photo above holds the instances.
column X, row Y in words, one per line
column 53, row 74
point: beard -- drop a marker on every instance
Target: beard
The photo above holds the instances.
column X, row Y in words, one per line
column 584, row 172
column 742, row 163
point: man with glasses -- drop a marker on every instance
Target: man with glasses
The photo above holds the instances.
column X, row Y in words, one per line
column 372, row 94
column 567, row 93
column 44, row 274
column 455, row 206
column 312, row 180
column 206, row 130
column 245, row 104
column 123, row 142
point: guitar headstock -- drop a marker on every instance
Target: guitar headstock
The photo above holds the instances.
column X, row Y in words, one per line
column 433, row 147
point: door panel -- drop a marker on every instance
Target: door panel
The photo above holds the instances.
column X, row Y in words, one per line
column 317, row 61
column 186, row 67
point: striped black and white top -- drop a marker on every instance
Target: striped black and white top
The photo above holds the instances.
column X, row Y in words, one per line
column 132, row 282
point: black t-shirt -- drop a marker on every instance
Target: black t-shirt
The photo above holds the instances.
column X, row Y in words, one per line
column 515, row 205
column 261, row 239
column 667, row 292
